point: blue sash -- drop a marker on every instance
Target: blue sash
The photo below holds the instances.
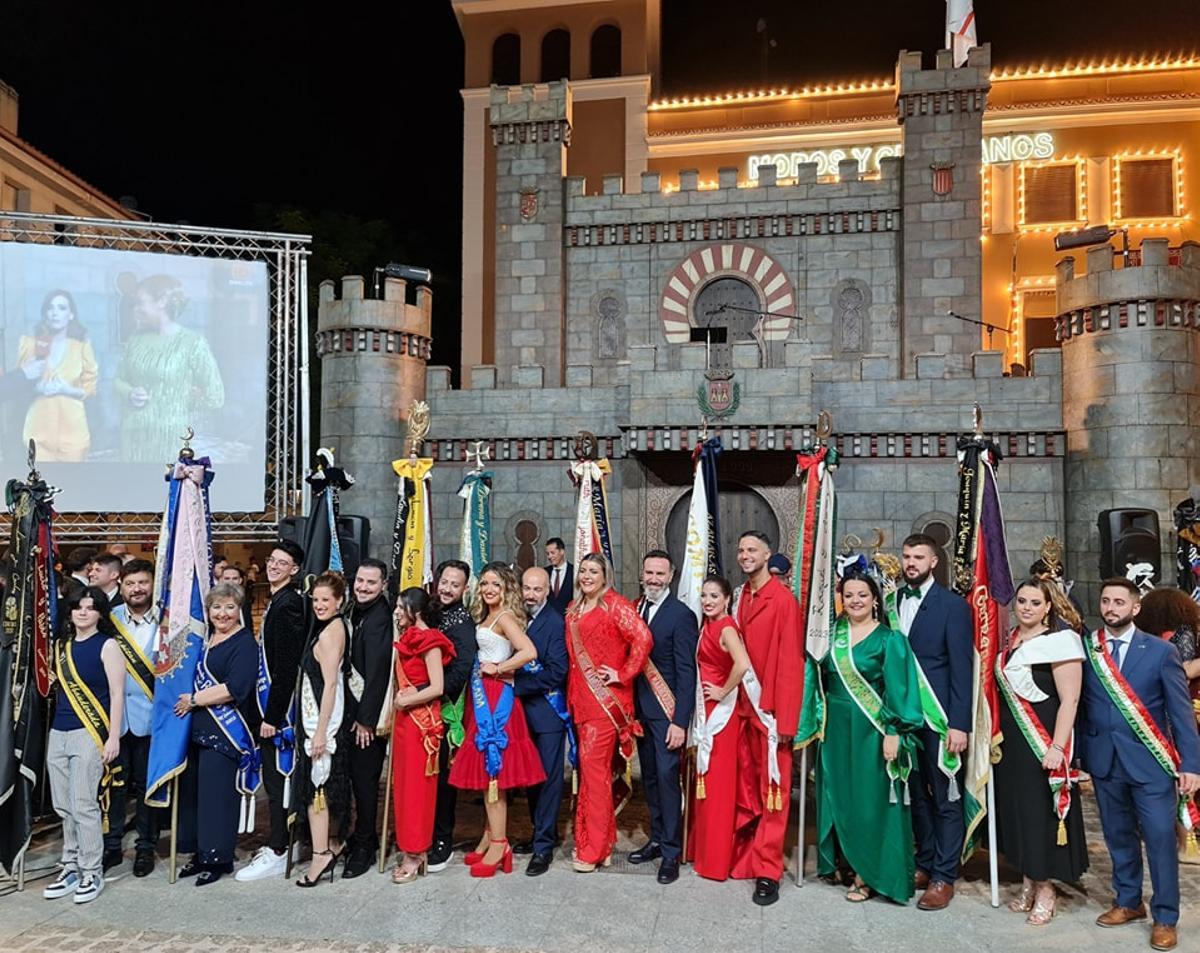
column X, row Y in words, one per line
column 491, row 738
column 285, row 737
column 557, row 700
column 235, row 729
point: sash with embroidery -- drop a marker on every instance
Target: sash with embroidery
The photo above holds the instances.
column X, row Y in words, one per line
column 426, row 717
column 136, row 662
column 233, row 726
column 948, row 762
column 753, row 689
column 705, row 728
column 658, row 685
column 491, row 736
column 284, row 738
column 1039, row 741
column 1135, row 714
column 557, row 700
column 91, row 715
column 628, row 727
column 841, row 653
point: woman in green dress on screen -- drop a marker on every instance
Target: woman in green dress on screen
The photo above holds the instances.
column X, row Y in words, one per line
column 873, row 714
column 167, row 374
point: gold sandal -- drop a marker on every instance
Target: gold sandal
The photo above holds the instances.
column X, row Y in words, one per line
column 1023, row 902
column 1043, row 911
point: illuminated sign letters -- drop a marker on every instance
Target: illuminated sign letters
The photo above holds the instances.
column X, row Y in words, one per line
column 1013, row 147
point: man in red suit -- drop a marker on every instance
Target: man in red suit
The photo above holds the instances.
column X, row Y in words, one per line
column 769, row 618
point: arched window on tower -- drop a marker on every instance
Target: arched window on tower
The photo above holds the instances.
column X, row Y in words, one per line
column 506, row 60
column 606, row 52
column 556, row 56
column 723, row 312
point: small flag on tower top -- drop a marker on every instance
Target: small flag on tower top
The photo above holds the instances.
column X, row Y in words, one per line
column 960, row 29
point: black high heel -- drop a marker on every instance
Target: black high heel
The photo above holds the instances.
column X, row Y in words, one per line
column 327, row 869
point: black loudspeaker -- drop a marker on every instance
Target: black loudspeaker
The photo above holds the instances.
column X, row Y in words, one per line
column 1129, row 536
column 354, row 535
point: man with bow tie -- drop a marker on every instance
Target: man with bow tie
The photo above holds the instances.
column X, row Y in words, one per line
column 664, row 696
column 1140, row 745
column 938, row 625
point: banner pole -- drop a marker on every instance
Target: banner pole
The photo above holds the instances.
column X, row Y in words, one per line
column 993, row 853
column 174, row 828
column 803, row 815
column 387, row 803
column 21, row 870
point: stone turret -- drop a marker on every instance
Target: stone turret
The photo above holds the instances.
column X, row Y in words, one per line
column 531, row 130
column 373, row 354
column 940, row 112
column 1131, row 392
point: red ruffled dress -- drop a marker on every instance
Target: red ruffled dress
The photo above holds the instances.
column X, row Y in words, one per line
column 520, row 764
column 416, row 736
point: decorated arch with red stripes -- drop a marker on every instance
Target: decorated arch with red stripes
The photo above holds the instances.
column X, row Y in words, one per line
column 727, row 259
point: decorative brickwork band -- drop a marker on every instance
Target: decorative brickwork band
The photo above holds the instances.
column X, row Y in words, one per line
column 552, row 130
column 941, row 102
column 375, row 340
column 1142, row 313
column 728, row 229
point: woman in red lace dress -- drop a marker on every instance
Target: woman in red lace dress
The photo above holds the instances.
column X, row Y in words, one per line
column 421, row 655
column 608, row 644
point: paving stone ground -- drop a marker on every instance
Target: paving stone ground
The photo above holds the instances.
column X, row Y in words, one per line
column 620, row 909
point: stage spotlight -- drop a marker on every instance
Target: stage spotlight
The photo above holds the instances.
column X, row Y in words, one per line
column 1096, row 235
column 408, row 272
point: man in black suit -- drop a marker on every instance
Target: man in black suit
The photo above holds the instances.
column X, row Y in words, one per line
column 938, row 625
column 561, row 574
column 453, row 620
column 367, row 684
column 542, row 691
column 105, row 572
column 664, row 695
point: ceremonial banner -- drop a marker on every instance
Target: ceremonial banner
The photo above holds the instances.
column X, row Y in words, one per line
column 412, row 541
column 322, row 549
column 960, row 29
column 1187, row 551
column 814, row 578
column 591, row 515
column 182, row 578
column 702, row 554
column 475, row 539
column 982, row 577
column 30, row 620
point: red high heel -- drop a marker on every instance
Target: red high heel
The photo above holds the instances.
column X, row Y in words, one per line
column 476, row 856
column 504, row 864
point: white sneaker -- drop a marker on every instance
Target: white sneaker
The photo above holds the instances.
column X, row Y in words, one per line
column 265, row 863
column 89, row 888
column 65, row 884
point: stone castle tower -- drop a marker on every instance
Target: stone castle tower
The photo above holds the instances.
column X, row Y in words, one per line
column 1131, row 393
column 373, row 354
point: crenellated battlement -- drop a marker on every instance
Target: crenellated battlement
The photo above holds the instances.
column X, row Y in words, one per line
column 1158, row 288
column 535, row 112
column 355, row 321
column 946, row 89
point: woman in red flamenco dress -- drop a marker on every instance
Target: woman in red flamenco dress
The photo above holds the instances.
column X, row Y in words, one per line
column 421, row 655
column 721, row 663
column 497, row 753
column 608, row 644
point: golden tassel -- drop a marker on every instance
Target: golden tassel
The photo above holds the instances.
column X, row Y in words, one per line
column 700, row 792
column 574, row 782
column 1191, row 849
column 1062, row 833
column 319, row 801
column 779, row 799
column 629, row 774
column 493, row 794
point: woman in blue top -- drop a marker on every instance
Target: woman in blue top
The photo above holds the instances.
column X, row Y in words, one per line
column 216, row 791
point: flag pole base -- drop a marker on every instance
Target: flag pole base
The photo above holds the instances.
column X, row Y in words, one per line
column 802, row 815
column 173, row 873
column 387, row 803
column 993, row 853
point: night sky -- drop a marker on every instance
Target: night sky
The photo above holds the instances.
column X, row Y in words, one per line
column 257, row 114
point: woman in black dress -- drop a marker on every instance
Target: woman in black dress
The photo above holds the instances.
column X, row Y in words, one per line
column 1039, row 821
column 322, row 777
column 223, row 714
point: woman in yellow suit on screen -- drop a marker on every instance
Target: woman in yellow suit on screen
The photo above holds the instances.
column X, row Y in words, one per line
column 59, row 359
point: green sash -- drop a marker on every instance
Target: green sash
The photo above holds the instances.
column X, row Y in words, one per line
column 869, row 703
column 136, row 663
column 452, row 718
column 935, row 715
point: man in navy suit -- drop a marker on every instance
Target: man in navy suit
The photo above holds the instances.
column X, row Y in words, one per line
column 664, row 733
column 561, row 574
column 938, row 625
column 547, row 632
column 1133, row 790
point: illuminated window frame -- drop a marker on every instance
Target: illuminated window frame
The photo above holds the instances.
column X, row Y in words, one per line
column 1171, row 221
column 1014, row 351
column 1080, row 164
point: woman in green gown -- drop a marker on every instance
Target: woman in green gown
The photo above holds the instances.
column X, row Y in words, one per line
column 167, row 376
column 873, row 714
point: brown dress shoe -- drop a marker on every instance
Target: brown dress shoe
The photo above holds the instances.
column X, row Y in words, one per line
column 921, row 880
column 1163, row 937
column 1119, row 916
column 937, row 896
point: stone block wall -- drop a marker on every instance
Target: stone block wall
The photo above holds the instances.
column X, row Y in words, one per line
column 1131, row 393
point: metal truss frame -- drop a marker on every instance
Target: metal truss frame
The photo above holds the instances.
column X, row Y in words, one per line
column 286, row 258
